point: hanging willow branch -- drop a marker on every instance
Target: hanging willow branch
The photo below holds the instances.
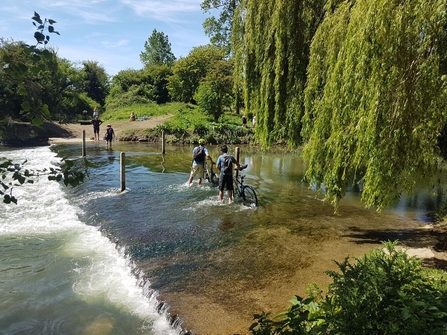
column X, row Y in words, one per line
column 376, row 98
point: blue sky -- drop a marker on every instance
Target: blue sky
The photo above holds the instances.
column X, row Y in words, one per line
column 111, row 32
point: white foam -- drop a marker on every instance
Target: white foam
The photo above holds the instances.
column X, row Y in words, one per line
column 100, row 271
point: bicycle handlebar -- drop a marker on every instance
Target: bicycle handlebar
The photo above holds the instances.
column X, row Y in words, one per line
column 242, row 167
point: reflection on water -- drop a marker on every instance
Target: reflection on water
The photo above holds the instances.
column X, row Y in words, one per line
column 216, row 264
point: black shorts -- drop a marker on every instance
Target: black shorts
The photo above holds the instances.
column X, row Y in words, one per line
column 226, row 181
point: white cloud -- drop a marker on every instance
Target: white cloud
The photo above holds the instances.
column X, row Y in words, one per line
column 163, row 10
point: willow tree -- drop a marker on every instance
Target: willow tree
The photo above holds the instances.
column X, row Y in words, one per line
column 376, row 98
column 271, row 42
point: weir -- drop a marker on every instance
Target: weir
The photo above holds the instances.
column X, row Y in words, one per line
column 116, row 253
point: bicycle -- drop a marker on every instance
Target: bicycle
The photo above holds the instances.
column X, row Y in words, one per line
column 209, row 174
column 245, row 192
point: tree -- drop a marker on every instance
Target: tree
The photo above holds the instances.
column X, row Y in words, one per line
column 271, row 51
column 215, row 91
column 95, row 81
column 376, row 98
column 157, row 50
column 139, row 86
column 219, row 30
column 190, row 70
column 19, row 69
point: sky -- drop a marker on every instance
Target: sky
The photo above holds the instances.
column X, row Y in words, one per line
column 110, row 32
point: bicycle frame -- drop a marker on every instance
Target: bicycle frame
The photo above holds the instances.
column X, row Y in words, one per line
column 245, row 192
column 209, row 174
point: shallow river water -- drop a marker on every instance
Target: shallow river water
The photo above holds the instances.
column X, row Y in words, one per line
column 162, row 257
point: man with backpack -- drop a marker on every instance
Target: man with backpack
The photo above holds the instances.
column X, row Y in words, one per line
column 225, row 165
column 199, row 154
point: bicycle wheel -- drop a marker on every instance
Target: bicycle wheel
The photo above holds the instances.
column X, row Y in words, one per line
column 206, row 175
column 214, row 179
column 249, row 196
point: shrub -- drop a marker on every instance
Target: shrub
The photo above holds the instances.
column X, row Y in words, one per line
column 384, row 292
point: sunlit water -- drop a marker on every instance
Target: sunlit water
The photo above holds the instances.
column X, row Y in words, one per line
column 92, row 260
column 59, row 274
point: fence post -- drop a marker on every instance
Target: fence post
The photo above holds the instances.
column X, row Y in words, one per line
column 83, row 143
column 122, row 171
column 163, row 142
column 236, row 155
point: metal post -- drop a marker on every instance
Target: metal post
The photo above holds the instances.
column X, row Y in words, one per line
column 123, row 171
column 163, row 142
column 83, row 143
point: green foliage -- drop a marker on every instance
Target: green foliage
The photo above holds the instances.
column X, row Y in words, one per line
column 21, row 65
column 219, row 29
column 95, row 81
column 376, row 98
column 384, row 292
column 139, row 86
column 271, row 45
column 157, row 50
column 190, row 70
column 70, row 172
column 215, row 90
column 118, row 99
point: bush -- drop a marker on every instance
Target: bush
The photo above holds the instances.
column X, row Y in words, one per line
column 385, row 292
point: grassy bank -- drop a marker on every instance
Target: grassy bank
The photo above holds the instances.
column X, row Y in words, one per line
column 186, row 125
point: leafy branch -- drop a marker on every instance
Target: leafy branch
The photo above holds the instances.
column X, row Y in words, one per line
column 70, row 172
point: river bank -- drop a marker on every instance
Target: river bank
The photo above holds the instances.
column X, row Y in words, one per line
column 273, row 263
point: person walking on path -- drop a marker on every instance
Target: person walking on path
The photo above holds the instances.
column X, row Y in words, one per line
column 96, row 123
column 110, row 135
column 95, row 112
column 199, row 154
column 225, row 165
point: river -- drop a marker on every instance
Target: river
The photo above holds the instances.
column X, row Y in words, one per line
column 163, row 257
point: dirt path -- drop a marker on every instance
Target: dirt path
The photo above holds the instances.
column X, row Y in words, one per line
column 72, row 132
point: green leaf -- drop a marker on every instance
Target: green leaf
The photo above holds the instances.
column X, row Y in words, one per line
column 22, row 90
column 37, row 121
column 25, row 106
column 37, row 18
column 50, row 21
column 6, row 199
column 45, row 110
column 39, row 37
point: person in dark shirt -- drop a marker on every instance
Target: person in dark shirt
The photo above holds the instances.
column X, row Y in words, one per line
column 110, row 135
column 96, row 122
column 225, row 165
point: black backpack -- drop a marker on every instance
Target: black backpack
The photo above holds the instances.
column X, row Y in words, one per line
column 199, row 154
column 227, row 165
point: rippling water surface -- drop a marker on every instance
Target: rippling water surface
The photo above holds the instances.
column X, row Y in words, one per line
column 92, row 260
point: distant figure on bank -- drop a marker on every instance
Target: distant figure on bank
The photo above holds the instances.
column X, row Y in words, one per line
column 199, row 154
column 244, row 121
column 132, row 116
column 96, row 122
column 254, row 121
column 95, row 112
column 84, row 115
column 225, row 165
column 110, row 135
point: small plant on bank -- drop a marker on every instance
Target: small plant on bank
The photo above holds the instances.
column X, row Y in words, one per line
column 384, row 292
